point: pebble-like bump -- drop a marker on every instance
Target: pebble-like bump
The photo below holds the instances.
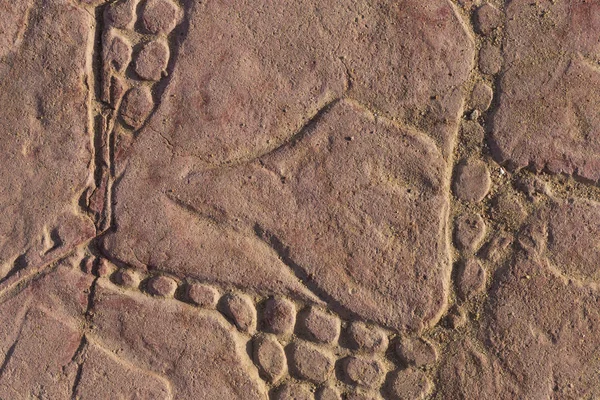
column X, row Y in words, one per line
column 120, row 14
column 117, row 89
column 416, row 351
column 487, row 18
column 159, row 16
column 481, row 96
column 472, row 181
column 127, row 278
column 410, row 384
column 202, row 295
column 269, row 357
column 469, row 231
column 490, row 59
column 241, row 310
column 105, row 268
column 328, row 393
column 310, row 362
column 361, row 395
column 366, row 337
column 279, row 316
column 471, row 278
column 136, row 106
column 364, row 371
column 319, row 326
column 293, row 391
column 152, row 60
column 87, row 265
column 162, row 286
column 117, row 53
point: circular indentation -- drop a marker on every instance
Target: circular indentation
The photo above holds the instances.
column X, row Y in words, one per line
column 310, row 362
column 471, row 278
column 127, row 278
column 293, row 391
column 469, row 231
column 409, row 384
column 416, row 351
column 269, row 357
column 202, row 295
column 487, row 18
column 490, row 59
column 361, row 395
column 328, row 393
column 241, row 310
column 363, row 371
column 152, row 60
column 161, row 286
column 136, row 106
column 279, row 316
column 481, row 96
column 366, row 337
column 319, row 326
column 159, row 16
column 472, row 181
column 119, row 14
column 117, row 53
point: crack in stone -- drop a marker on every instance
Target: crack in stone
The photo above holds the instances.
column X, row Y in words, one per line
column 283, row 252
column 11, row 350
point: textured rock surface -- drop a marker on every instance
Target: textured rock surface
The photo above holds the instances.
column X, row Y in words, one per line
column 310, row 362
column 469, row 231
column 471, row 278
column 547, row 114
column 365, row 337
column 364, row 372
column 305, row 199
column 207, row 357
column 472, row 181
column 264, row 132
column 41, row 335
column 270, row 358
column 279, row 316
column 45, row 143
column 416, row 351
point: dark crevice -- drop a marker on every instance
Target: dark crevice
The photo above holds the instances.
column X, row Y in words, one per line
column 11, row 350
column 56, row 240
column 78, row 358
column 305, row 130
column 283, row 252
column 8, row 356
column 204, row 215
column 21, row 263
column 90, row 299
column 99, row 143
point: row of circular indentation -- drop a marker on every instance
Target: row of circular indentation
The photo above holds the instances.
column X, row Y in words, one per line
column 302, row 348
column 472, row 179
column 135, row 55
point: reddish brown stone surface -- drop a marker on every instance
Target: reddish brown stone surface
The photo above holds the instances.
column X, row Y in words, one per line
column 46, row 148
column 299, row 199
